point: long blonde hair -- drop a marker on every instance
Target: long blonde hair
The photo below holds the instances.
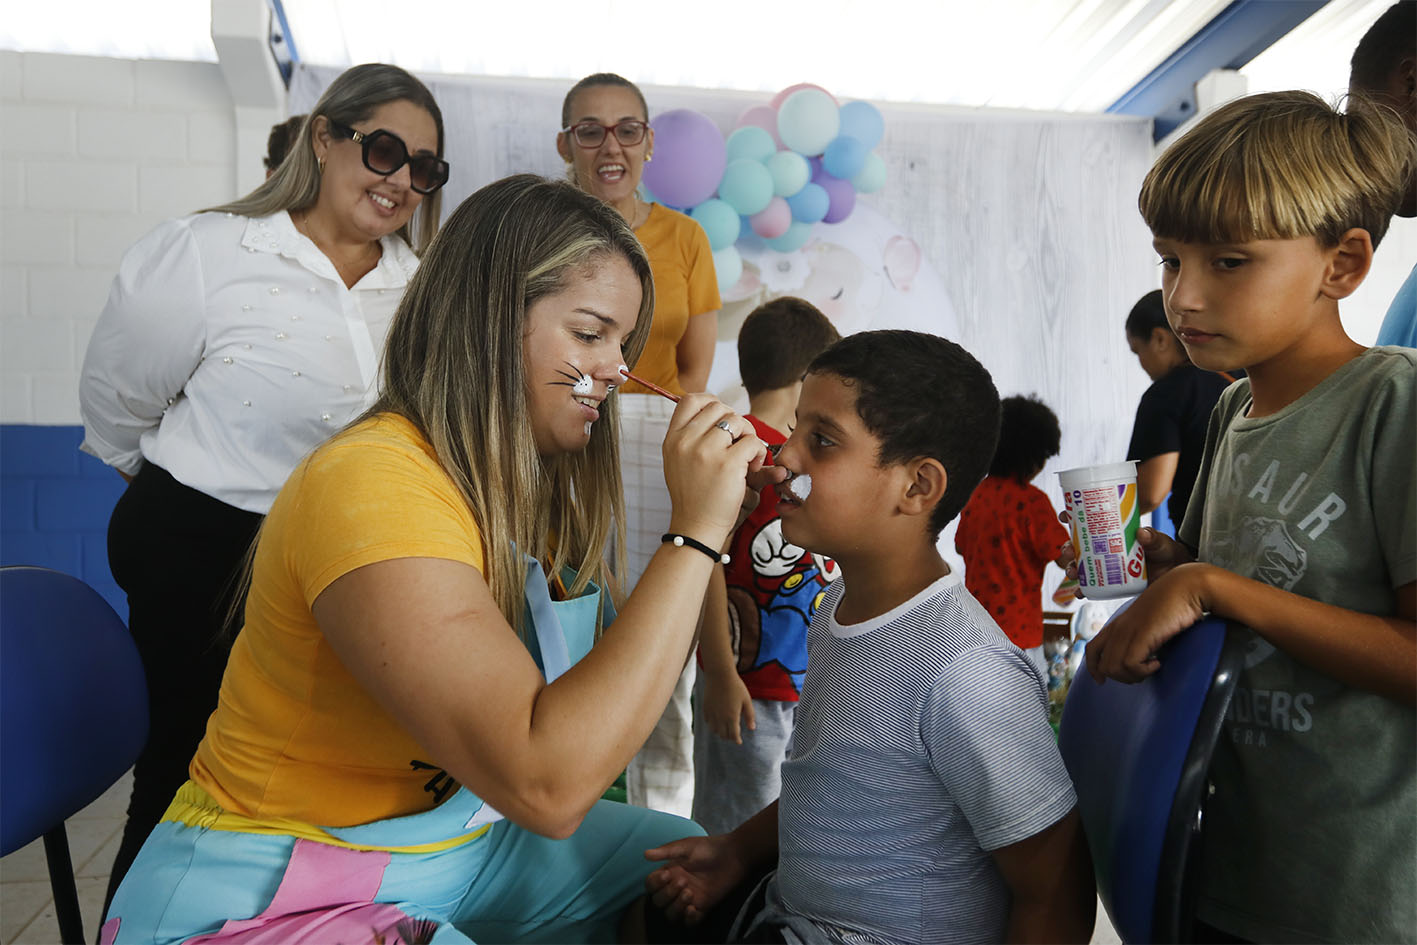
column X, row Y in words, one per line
column 1280, row 165
column 453, row 366
column 351, row 98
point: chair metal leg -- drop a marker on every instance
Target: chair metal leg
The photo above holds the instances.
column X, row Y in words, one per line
column 61, row 883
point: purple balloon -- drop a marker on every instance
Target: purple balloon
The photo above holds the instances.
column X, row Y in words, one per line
column 840, row 193
column 689, row 158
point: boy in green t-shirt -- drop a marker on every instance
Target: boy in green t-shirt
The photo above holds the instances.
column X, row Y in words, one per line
column 1303, row 524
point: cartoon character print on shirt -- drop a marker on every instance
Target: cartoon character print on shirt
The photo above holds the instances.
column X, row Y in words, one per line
column 766, row 620
column 1273, row 550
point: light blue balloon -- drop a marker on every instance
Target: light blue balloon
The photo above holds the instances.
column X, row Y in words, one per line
column 746, row 186
column 862, row 121
column 751, row 142
column 807, row 121
column 790, row 172
column 728, row 267
column 809, row 204
column 796, row 236
column 872, row 176
column 844, row 156
column 719, row 220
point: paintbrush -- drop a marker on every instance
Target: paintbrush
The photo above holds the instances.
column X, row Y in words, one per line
column 650, row 384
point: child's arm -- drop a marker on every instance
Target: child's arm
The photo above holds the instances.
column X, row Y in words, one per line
column 1377, row 654
column 726, row 699
column 699, row 871
column 1049, row 875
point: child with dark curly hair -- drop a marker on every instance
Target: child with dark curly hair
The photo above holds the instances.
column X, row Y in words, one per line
column 1009, row 531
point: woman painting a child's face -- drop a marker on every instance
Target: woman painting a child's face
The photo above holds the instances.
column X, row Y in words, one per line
column 572, row 351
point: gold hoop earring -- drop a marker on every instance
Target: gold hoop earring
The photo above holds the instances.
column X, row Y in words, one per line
column 320, row 163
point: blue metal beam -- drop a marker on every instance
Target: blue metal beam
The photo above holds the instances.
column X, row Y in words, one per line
column 1236, row 35
column 282, row 43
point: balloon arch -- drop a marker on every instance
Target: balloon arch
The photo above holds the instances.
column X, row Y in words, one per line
column 797, row 161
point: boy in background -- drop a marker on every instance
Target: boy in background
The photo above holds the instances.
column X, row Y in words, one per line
column 753, row 646
column 1303, row 524
column 1009, row 531
column 923, row 799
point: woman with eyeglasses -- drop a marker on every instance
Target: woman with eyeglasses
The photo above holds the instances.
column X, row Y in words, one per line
column 605, row 140
column 233, row 342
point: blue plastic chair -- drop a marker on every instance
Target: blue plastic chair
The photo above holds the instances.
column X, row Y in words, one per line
column 1138, row 756
column 73, row 715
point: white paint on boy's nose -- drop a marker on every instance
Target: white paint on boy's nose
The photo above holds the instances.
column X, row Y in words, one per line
column 800, row 485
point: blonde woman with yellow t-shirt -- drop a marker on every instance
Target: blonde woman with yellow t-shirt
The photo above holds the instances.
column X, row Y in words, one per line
column 421, row 709
column 605, row 140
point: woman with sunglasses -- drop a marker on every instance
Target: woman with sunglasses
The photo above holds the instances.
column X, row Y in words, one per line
column 605, row 140
column 233, row 342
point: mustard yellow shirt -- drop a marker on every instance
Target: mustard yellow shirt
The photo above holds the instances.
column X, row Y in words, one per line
column 684, row 286
column 294, row 735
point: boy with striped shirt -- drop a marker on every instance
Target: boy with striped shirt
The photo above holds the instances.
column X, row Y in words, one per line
column 923, row 798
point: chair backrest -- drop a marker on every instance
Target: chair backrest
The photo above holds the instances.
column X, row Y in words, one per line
column 73, row 700
column 1138, row 756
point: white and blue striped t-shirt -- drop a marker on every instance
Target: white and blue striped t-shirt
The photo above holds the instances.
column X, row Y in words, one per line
column 922, row 742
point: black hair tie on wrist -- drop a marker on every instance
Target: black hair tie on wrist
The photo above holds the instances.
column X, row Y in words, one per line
column 684, row 541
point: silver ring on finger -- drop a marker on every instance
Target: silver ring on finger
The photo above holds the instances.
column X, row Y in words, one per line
column 726, row 428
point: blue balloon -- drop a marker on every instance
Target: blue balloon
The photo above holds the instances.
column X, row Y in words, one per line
column 719, row 220
column 844, row 157
column 863, row 122
column 809, row 204
column 751, row 142
column 746, row 186
column 796, row 236
column 752, row 243
column 789, row 171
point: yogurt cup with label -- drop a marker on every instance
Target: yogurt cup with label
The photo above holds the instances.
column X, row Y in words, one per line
column 1102, row 503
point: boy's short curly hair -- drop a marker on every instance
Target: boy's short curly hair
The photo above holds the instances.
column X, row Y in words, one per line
column 921, row 396
column 1280, row 165
column 778, row 340
column 1028, row 437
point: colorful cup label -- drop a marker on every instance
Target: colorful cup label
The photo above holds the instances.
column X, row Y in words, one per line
column 1105, row 524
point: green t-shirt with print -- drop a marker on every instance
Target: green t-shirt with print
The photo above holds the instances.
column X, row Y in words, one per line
column 1311, row 834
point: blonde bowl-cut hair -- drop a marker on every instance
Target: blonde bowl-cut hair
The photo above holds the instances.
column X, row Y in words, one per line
column 351, row 98
column 1280, row 165
column 453, row 366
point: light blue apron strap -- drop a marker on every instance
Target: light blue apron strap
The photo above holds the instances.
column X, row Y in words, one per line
column 555, row 657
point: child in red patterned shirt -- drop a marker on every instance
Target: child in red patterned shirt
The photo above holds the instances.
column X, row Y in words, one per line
column 1009, row 531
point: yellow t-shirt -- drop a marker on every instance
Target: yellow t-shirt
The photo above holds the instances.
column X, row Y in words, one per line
column 684, row 285
column 294, row 735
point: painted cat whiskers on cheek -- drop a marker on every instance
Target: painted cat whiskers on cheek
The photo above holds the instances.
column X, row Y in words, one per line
column 581, row 385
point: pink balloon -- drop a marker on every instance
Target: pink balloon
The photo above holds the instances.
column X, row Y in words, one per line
column 765, row 117
column 773, row 221
column 901, row 260
column 781, row 97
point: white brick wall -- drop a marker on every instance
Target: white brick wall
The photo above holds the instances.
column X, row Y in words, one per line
column 93, row 153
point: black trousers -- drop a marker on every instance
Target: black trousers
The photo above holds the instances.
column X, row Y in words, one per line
column 179, row 554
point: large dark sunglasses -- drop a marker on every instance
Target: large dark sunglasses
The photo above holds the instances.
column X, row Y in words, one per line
column 385, row 153
column 591, row 134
